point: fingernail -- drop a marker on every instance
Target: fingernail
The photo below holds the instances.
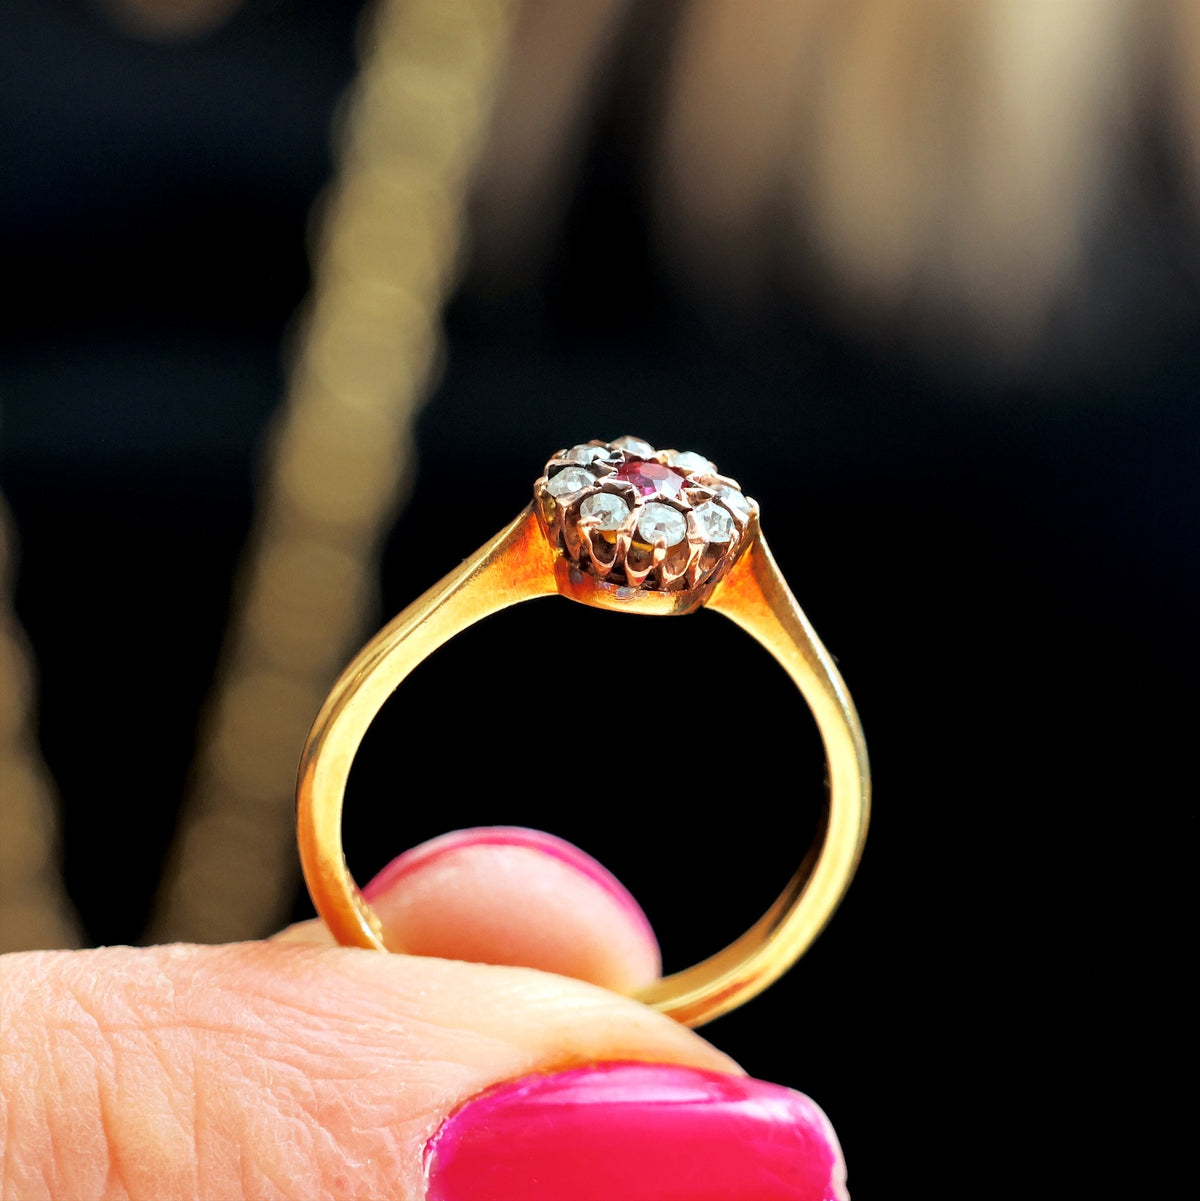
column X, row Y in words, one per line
column 427, row 853
column 632, row 1131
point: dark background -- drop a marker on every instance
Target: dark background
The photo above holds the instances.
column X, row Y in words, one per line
column 1005, row 568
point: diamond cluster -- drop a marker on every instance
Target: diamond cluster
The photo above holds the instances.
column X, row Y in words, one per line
column 657, row 519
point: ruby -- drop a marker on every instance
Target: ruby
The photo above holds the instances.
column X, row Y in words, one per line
column 649, row 478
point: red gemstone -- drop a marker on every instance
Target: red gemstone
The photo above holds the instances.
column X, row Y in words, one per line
column 649, row 478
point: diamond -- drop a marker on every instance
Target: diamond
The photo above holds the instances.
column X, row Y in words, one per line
column 733, row 498
column 634, row 446
column 609, row 509
column 715, row 522
column 661, row 523
column 651, row 478
column 585, row 454
column 570, row 479
column 689, row 461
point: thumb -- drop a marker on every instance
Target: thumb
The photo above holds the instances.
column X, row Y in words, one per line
column 298, row 1068
column 513, row 896
column 276, row 1069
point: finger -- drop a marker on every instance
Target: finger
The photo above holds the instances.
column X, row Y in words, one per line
column 271, row 1070
column 506, row 895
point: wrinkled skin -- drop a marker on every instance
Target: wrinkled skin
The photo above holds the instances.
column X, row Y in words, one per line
column 296, row 1068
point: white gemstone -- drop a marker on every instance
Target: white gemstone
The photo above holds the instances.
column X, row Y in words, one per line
column 689, row 461
column 733, row 498
column 585, row 454
column 714, row 521
column 570, row 479
column 634, row 446
column 661, row 523
column 609, row 509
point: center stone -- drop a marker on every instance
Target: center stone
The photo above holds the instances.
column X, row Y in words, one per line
column 649, row 478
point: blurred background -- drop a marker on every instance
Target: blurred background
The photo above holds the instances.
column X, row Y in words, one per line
column 302, row 296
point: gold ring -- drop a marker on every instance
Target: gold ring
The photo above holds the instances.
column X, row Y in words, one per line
column 621, row 526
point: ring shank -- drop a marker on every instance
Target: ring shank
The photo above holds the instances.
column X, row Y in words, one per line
column 519, row 565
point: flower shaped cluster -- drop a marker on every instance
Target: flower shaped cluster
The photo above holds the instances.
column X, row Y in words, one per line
column 659, row 519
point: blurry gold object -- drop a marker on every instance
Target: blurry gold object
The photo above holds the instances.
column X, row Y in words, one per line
column 35, row 911
column 340, row 457
column 547, row 550
column 168, row 20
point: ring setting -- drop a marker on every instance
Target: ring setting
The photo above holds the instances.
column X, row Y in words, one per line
column 617, row 525
column 635, row 517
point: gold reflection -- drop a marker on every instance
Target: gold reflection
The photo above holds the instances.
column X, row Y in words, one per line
column 340, row 460
column 35, row 911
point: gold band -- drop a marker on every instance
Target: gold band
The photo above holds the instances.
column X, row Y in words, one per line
column 520, row 564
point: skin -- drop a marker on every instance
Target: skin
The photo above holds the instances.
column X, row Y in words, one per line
column 296, row 1068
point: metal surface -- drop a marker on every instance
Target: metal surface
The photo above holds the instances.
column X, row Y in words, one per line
column 519, row 564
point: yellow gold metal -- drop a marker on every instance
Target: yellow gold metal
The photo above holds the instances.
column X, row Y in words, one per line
column 519, row 564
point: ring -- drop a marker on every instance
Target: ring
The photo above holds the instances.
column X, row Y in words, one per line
column 618, row 525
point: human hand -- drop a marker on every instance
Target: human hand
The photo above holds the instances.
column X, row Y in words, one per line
column 297, row 1068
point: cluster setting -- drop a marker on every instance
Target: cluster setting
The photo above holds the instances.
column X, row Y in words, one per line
column 664, row 520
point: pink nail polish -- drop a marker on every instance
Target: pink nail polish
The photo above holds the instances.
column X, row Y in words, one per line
column 508, row 836
column 635, row 1132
